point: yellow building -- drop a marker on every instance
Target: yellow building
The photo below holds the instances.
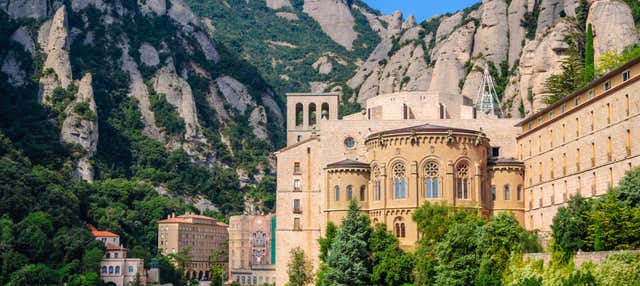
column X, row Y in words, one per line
column 582, row 144
column 201, row 234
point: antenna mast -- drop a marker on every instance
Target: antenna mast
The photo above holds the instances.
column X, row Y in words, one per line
column 487, row 95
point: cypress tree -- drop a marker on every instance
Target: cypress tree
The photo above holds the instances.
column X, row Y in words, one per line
column 348, row 262
column 589, row 65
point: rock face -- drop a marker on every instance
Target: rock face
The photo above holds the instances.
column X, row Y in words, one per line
column 517, row 10
column 490, row 40
column 158, row 7
column 278, row 4
column 181, row 13
column 28, row 8
column 207, row 46
column 323, row 65
column 612, row 25
column 11, row 67
column 149, row 55
column 334, row 18
column 80, row 127
column 235, row 93
column 447, row 25
column 451, row 57
column 23, row 37
column 178, row 93
column 57, row 68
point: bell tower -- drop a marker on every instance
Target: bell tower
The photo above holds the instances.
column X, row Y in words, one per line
column 306, row 110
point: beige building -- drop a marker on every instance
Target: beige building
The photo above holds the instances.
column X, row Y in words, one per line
column 115, row 268
column 582, row 144
column 201, row 234
column 252, row 249
column 404, row 149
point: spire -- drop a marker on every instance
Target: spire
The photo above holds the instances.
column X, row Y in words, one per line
column 487, row 95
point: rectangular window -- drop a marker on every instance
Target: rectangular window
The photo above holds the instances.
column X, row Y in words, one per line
column 576, row 101
column 593, row 120
column 519, row 193
column 337, row 193
column 431, row 188
column 529, row 125
column 564, row 133
column 577, row 127
column 608, row 113
column 493, row 193
column 507, row 193
column 297, row 185
column 609, row 149
column 564, row 164
column 593, row 154
column 551, row 115
column 626, row 75
column 550, row 138
column 296, row 206
column 495, row 151
column 296, row 168
column 377, row 191
column 563, row 109
column 591, row 94
column 626, row 104
column 607, row 85
column 578, row 159
column 400, row 188
column 296, row 224
column 628, row 143
column 462, row 188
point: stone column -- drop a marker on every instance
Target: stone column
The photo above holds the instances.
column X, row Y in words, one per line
column 413, row 183
column 449, row 192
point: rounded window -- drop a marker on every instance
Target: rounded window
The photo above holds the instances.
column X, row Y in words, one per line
column 349, row 142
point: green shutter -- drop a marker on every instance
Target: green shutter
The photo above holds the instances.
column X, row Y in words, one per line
column 273, row 240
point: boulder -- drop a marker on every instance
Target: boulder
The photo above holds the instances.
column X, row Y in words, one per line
column 335, row 19
column 258, row 121
column 447, row 24
column 491, row 39
column 235, row 93
column 57, row 67
column 148, row 55
column 181, row 13
column 278, row 4
column 613, row 26
column 207, row 46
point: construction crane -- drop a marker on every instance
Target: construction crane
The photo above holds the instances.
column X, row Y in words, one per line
column 487, row 96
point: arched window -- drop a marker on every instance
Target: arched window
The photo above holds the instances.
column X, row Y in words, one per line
column 110, row 269
column 299, row 114
column 130, row 268
column 337, row 191
column 507, row 193
column 376, row 183
column 362, row 192
column 312, row 114
column 117, row 269
column 402, row 230
column 462, row 181
column 349, row 193
column 397, row 230
column 519, row 194
column 324, row 113
column 104, row 269
column 431, row 187
column 399, row 181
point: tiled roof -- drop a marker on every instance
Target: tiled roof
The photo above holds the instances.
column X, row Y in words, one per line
column 101, row 233
column 505, row 161
column 348, row 163
column 422, row 128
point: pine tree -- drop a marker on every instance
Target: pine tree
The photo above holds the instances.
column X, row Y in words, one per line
column 299, row 268
column 589, row 65
column 348, row 262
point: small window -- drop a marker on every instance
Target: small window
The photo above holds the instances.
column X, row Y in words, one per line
column 296, row 206
column 337, row 193
column 626, row 75
column 529, row 125
column 576, row 101
column 564, row 108
column 296, row 224
column 495, row 151
column 592, row 93
column 130, row 268
column 110, row 269
column 539, row 120
column 493, row 193
column 117, row 269
column 299, row 138
column 349, row 142
column 297, row 185
column 551, row 114
column 607, row 85
column 296, row 168
column 349, row 192
column 507, row 193
column 362, row 192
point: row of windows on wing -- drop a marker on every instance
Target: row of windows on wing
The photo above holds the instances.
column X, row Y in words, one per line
column 431, row 182
column 114, row 270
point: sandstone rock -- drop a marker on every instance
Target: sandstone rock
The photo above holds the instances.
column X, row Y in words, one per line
column 374, row 21
column 178, row 93
column 158, row 7
column 447, row 25
column 394, row 23
column 22, row 36
column 516, row 31
column 57, row 68
column 323, row 65
column 208, row 24
column 268, row 101
column 287, row 15
column 335, row 19
column 78, row 5
column 217, row 104
column 181, row 13
column 491, row 39
column 235, row 93
column 317, row 86
column 148, row 55
column 80, row 127
column 551, row 12
column 409, row 23
column 27, row 8
column 613, row 26
column 277, row 4
column 411, row 34
column 207, row 46
column 258, row 121
column 11, row 67
column 472, row 83
column 372, row 63
column 138, row 90
column 451, row 58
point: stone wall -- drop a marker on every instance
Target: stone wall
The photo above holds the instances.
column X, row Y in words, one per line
column 580, row 257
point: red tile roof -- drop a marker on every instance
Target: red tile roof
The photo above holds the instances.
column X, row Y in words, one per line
column 100, row 233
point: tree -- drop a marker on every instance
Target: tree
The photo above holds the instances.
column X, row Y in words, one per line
column 299, row 269
column 390, row 265
column 614, row 224
column 628, row 189
column 432, row 221
column 589, row 65
column 217, row 268
column 612, row 60
column 569, row 227
column 326, row 241
column 348, row 263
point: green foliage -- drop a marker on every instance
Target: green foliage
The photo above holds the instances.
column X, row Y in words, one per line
column 611, row 60
column 348, row 262
column 569, row 227
column 167, row 117
column 582, row 13
column 83, row 110
column 299, row 268
column 530, row 21
column 390, row 265
column 325, row 242
column 570, row 79
column 628, row 189
column 589, row 65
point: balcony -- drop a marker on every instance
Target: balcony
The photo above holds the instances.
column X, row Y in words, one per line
column 297, row 227
column 593, row 162
column 628, row 151
column 578, row 166
column 564, row 171
column 297, row 189
column 609, row 156
column 297, row 210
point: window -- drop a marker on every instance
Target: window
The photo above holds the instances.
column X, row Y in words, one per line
column 115, row 255
column 104, row 269
column 626, row 75
column 564, row 133
column 593, row 154
column 376, row 183
column 299, row 138
column 337, row 193
column 550, row 138
column 519, row 192
column 296, row 168
column 349, row 142
column 363, row 190
column 529, row 125
column 628, row 143
column 117, row 269
column 591, row 94
column 563, row 109
column 592, row 120
column 577, row 127
column 576, row 101
column 108, row 255
column 507, row 193
column 493, row 192
column 462, row 180
column 349, row 193
column 431, row 187
column 399, row 181
column 296, row 224
column 608, row 113
column 626, row 104
column 400, row 230
column 110, row 269
column 578, row 159
column 495, row 151
column 296, row 206
column 607, row 85
column 297, row 186
column 130, row 268
column 551, row 115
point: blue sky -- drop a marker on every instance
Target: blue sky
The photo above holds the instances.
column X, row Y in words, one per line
column 422, row 9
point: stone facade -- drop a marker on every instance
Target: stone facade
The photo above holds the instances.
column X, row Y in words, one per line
column 115, row 268
column 402, row 150
column 252, row 254
column 204, row 235
column 583, row 144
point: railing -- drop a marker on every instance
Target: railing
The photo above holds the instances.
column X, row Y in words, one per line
column 297, row 189
column 297, row 227
column 297, row 210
